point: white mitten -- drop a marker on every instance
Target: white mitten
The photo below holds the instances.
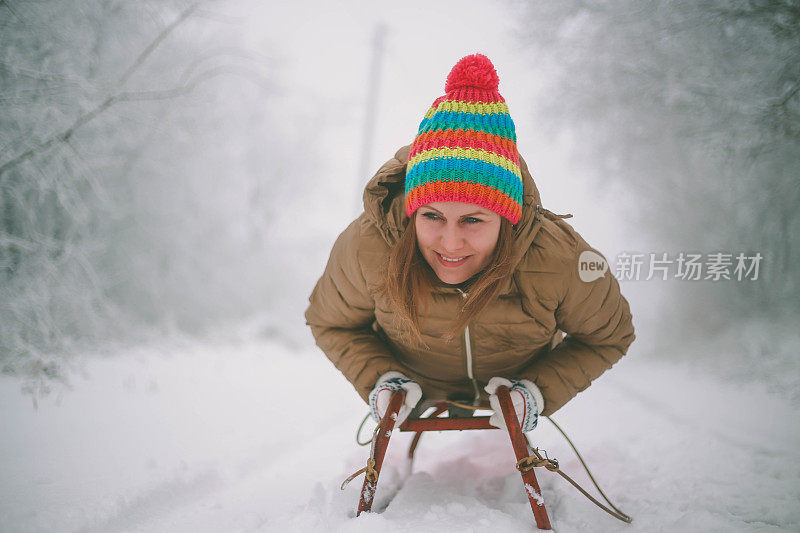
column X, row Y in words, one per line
column 525, row 397
column 386, row 385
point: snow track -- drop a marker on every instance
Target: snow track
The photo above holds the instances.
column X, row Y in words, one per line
column 255, row 437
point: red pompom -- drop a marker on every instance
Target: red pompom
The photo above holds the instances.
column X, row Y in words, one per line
column 473, row 71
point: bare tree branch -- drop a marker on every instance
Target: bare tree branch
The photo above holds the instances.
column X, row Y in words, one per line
column 790, row 93
column 42, row 76
column 5, row 4
column 153, row 45
column 231, row 51
column 219, row 17
column 108, row 102
column 139, row 96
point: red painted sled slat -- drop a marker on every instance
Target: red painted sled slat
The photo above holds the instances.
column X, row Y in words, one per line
column 446, row 424
column 432, row 423
column 411, row 449
column 520, row 444
column 379, row 450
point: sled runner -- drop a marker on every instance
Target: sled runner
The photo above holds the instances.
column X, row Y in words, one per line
column 528, row 458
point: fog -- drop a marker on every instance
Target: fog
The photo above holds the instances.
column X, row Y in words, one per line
column 176, row 167
column 180, row 170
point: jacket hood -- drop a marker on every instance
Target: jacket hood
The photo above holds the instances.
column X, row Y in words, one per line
column 384, row 205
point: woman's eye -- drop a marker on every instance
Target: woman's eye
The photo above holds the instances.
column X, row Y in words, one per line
column 467, row 220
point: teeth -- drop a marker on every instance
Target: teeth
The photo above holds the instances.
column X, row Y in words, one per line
column 452, row 260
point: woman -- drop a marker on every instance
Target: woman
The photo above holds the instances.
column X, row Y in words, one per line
column 455, row 280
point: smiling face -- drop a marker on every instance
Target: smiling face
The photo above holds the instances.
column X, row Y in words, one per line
column 456, row 239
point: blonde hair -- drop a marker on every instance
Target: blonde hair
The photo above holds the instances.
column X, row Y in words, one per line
column 410, row 280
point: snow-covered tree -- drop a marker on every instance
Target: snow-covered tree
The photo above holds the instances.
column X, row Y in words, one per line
column 140, row 153
column 693, row 107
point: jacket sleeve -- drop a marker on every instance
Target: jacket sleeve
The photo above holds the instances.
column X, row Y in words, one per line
column 597, row 321
column 341, row 312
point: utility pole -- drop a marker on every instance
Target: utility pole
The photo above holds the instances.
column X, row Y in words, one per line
column 370, row 116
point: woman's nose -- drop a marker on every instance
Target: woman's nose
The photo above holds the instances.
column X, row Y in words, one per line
column 452, row 238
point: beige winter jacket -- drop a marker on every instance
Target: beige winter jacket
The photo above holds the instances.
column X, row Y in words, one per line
column 510, row 338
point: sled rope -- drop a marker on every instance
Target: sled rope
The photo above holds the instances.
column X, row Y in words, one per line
column 371, row 474
column 358, row 432
column 526, row 464
column 530, row 462
column 623, row 516
column 369, row 470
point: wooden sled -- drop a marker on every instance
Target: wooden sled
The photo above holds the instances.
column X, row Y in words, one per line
column 432, row 423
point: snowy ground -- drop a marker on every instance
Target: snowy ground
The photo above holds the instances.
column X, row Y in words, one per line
column 254, row 436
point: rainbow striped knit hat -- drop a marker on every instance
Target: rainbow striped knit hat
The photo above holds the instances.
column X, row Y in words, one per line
column 466, row 146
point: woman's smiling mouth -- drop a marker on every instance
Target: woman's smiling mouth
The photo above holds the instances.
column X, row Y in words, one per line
column 451, row 262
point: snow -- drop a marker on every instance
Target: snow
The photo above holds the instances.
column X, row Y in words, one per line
column 231, row 435
column 220, row 437
column 535, row 495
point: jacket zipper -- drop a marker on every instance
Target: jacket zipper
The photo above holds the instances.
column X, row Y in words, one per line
column 477, row 398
